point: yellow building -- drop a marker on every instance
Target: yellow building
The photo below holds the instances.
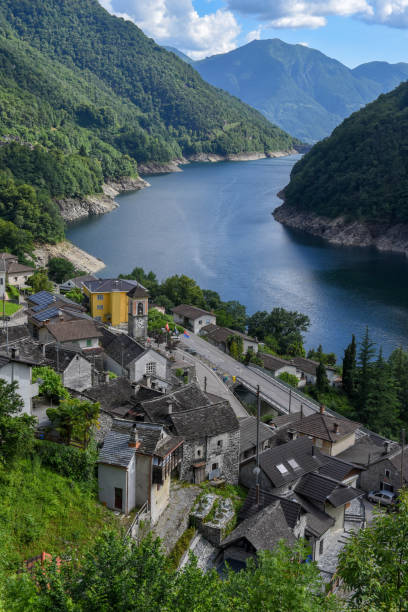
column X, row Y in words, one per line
column 108, row 301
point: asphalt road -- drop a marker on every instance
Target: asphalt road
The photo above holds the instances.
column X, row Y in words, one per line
column 274, row 392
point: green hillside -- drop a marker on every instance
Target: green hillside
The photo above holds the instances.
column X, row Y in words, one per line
column 361, row 170
column 84, row 97
column 300, row 89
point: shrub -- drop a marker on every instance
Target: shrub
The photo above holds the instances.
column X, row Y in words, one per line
column 68, row 461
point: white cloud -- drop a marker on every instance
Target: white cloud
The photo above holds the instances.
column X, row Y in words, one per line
column 254, row 35
column 304, row 44
column 313, row 13
column 177, row 23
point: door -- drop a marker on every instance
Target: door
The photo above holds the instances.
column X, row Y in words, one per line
column 118, row 498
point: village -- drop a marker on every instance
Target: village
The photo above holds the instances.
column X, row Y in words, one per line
column 179, row 452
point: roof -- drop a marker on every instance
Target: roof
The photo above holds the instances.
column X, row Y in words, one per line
column 309, row 365
column 188, row 397
column 78, row 280
column 319, row 488
column 317, row 521
column 221, row 334
column 247, row 426
column 263, row 530
column 77, row 329
column 112, row 396
column 191, row 312
column 152, row 439
column 325, row 426
column 138, row 292
column 120, row 347
column 14, row 333
column 59, row 358
column 16, row 268
column 368, row 449
column 336, row 468
column 211, row 420
column 109, row 285
column 6, row 358
column 291, row 509
column 42, row 299
column 276, row 462
column 271, row 362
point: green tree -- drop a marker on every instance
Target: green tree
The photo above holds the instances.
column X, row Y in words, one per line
column 231, row 314
column 382, row 407
column 182, row 290
column 147, row 279
column 350, row 368
column 51, row 384
column 398, row 362
column 318, row 355
column 235, row 346
column 16, row 429
column 374, row 564
column 75, row 295
column 39, row 281
column 291, row 379
column 365, row 371
column 74, row 416
column 60, row 269
column 322, row 382
column 285, row 327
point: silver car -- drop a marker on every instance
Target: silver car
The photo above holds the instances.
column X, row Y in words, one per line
column 385, row 498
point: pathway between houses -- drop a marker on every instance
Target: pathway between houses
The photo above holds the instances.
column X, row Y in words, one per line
column 174, row 520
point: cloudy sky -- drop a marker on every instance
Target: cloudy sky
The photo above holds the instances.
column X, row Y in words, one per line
column 352, row 31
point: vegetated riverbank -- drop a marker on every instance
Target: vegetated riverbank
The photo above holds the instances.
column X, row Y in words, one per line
column 174, row 165
column 339, row 231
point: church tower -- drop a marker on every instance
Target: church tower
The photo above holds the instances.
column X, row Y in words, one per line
column 138, row 310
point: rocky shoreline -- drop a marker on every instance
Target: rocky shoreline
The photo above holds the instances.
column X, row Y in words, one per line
column 73, row 209
column 79, row 258
column 341, row 232
column 174, row 165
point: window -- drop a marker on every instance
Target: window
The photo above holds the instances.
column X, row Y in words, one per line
column 89, row 342
column 282, row 468
column 214, row 466
column 198, row 453
column 140, row 308
column 99, row 307
column 200, row 322
column 388, row 473
column 100, row 297
column 16, row 278
column 318, row 443
column 151, row 368
column 219, row 443
column 1, row 281
column 321, row 547
column 293, row 464
column 208, row 321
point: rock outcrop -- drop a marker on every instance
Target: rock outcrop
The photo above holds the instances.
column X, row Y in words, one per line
column 340, row 231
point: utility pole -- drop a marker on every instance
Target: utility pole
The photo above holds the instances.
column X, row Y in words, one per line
column 205, row 384
column 290, row 399
column 402, row 456
column 258, row 418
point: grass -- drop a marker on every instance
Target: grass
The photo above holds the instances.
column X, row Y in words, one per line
column 43, row 511
column 9, row 308
column 180, row 547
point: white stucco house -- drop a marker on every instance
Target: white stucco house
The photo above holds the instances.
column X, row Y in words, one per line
column 14, row 368
column 192, row 318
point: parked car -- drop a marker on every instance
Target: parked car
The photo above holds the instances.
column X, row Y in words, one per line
column 385, row 498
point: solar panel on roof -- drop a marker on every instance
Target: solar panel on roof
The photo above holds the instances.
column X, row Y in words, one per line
column 49, row 313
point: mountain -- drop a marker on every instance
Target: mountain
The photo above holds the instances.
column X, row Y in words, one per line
column 388, row 76
column 300, row 89
column 84, row 98
column 179, row 54
column 352, row 187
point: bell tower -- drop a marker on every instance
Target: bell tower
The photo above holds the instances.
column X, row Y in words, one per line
column 138, row 310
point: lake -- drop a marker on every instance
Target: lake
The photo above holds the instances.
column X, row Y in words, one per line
column 213, row 222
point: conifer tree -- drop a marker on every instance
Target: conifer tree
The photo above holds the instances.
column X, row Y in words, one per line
column 365, row 356
column 398, row 362
column 322, row 382
column 382, row 406
column 349, row 368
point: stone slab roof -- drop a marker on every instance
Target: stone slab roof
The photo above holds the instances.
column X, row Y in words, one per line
column 290, row 461
column 109, row 285
column 209, row 421
column 221, row 334
column 263, row 530
column 188, row 397
column 247, row 426
column 152, row 440
column 309, row 365
column 59, row 358
column 14, row 333
column 323, row 426
column 113, row 394
column 78, row 280
column 317, row 521
column 120, row 347
column 16, row 268
column 321, row 489
column 368, row 449
column 76, row 329
column 291, row 509
column 271, row 362
column 138, row 292
column 191, row 312
column 336, row 468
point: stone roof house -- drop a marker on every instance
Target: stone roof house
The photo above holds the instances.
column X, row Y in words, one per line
column 13, row 273
column 77, row 282
column 218, row 336
column 18, row 368
column 75, row 370
column 278, row 366
column 210, row 430
column 126, row 357
column 248, row 435
column 192, row 317
column 135, row 465
column 307, row 369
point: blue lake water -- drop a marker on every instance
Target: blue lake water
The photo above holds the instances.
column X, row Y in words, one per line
column 213, row 222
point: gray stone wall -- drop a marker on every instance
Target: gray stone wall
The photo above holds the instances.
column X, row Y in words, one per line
column 78, row 374
column 374, row 476
column 225, row 456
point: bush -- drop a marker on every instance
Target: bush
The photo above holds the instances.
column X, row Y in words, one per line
column 290, row 379
column 180, row 548
column 68, row 461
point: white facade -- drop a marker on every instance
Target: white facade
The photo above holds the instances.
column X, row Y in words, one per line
column 197, row 323
column 14, row 371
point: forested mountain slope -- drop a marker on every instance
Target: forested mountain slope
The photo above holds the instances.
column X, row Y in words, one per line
column 301, row 89
column 359, row 175
column 84, row 97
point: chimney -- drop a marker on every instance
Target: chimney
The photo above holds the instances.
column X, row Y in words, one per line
column 322, row 408
column 42, row 349
column 387, row 446
column 336, row 428
column 15, row 352
column 169, row 403
column 136, row 388
column 133, row 438
column 292, row 434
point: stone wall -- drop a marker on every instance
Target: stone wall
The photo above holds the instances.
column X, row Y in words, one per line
column 208, row 449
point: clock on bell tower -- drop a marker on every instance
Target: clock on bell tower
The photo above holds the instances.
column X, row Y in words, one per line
column 138, row 310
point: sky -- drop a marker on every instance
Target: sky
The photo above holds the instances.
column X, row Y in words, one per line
column 351, row 31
